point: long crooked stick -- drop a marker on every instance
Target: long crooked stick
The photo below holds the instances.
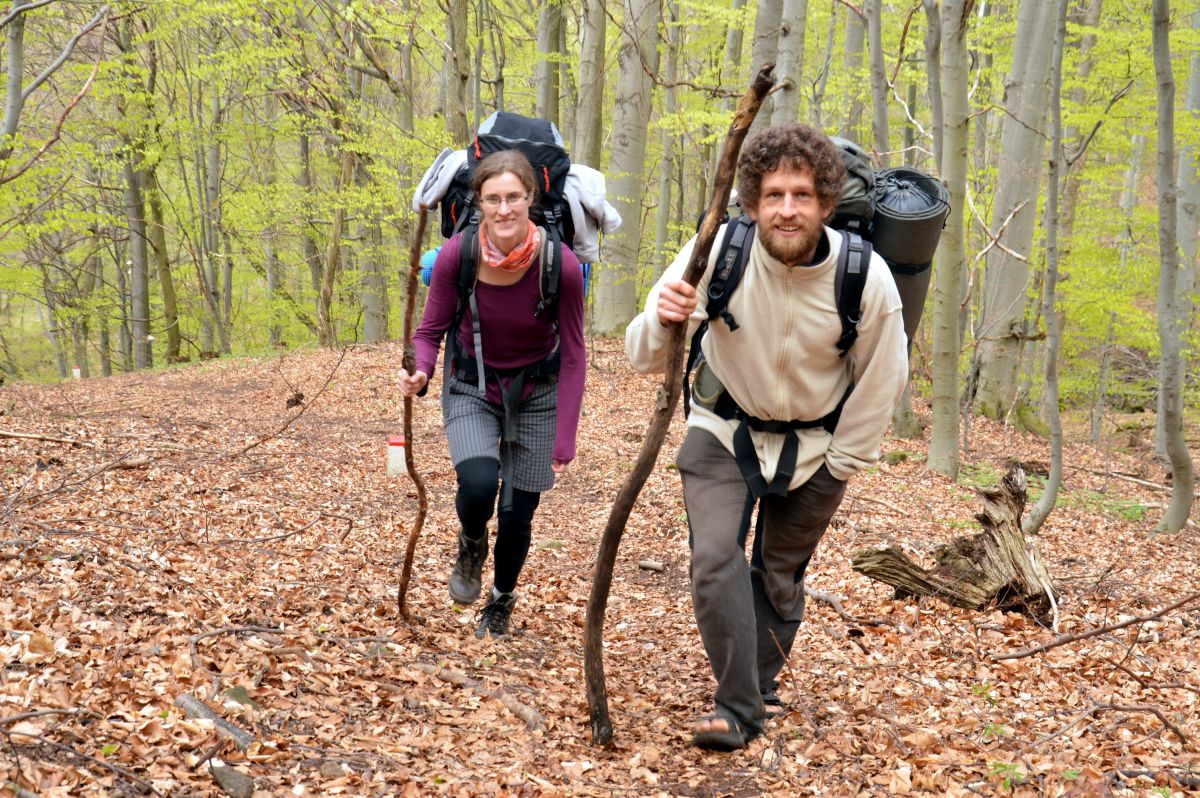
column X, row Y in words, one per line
column 409, row 361
column 656, row 432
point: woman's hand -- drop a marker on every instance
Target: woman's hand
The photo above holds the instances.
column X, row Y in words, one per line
column 411, row 384
column 558, row 466
column 676, row 301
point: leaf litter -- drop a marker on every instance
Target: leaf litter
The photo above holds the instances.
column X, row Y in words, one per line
column 207, row 539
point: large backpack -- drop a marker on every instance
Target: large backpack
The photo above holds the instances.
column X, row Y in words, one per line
column 540, row 142
column 898, row 213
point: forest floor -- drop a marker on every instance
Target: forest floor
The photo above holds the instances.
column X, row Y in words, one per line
column 204, row 539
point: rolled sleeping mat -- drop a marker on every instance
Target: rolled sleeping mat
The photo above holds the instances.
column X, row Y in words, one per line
column 910, row 211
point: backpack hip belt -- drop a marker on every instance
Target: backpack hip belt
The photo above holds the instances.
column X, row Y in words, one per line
column 743, row 445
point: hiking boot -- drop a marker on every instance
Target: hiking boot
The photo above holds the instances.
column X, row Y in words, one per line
column 464, row 579
column 495, row 616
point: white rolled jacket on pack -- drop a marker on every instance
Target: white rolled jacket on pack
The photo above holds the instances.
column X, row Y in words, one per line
column 584, row 189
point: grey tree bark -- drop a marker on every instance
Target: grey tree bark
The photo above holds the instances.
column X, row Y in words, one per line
column 457, row 72
column 952, row 255
column 1045, row 503
column 1189, row 219
column 789, row 70
column 1002, row 327
column 616, row 292
column 765, row 50
column 933, row 68
column 549, row 33
column 17, row 93
column 589, row 123
column 852, row 69
column 133, row 115
column 879, row 82
column 1171, row 326
column 818, row 100
column 733, row 57
column 667, row 166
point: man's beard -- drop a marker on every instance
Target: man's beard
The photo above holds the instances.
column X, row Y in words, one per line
column 792, row 251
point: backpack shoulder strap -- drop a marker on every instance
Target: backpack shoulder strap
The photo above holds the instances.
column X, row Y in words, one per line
column 468, row 266
column 731, row 263
column 551, row 264
column 854, row 260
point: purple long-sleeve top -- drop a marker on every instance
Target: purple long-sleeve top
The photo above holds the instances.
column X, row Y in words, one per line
column 512, row 336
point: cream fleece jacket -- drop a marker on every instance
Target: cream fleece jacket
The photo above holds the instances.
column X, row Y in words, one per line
column 782, row 362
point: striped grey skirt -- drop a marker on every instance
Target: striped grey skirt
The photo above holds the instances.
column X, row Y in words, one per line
column 474, row 428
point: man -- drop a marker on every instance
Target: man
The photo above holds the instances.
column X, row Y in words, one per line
column 778, row 390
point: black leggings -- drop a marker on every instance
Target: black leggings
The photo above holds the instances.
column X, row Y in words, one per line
column 478, row 486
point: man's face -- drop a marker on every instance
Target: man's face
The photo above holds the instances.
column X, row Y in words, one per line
column 789, row 215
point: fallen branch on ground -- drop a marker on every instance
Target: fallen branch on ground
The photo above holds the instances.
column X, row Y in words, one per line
column 1096, row 710
column 1062, row 640
column 195, row 708
column 533, row 719
column 30, row 436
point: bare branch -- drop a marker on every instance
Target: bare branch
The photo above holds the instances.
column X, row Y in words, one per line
column 65, row 54
column 1063, row 640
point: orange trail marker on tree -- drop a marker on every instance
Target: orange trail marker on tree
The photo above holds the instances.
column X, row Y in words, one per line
column 409, row 361
column 656, row 432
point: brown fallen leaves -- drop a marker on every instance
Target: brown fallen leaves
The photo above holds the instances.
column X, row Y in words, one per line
column 259, row 577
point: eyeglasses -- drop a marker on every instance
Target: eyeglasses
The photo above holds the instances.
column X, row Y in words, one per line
column 513, row 200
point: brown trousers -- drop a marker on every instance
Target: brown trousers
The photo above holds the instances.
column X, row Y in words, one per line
column 748, row 613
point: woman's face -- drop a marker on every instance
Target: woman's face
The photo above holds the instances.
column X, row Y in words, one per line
column 505, row 202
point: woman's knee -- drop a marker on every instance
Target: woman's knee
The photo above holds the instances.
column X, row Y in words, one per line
column 478, row 481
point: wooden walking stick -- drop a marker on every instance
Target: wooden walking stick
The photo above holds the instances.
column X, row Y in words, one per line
column 409, row 361
column 656, row 432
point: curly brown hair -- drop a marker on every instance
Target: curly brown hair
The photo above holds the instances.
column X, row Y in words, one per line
column 505, row 161
column 795, row 146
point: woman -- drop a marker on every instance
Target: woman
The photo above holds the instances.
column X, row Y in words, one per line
column 511, row 432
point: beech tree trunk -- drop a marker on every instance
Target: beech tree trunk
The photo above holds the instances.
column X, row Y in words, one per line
column 789, row 70
column 549, row 32
column 1171, row 327
column 616, row 292
column 589, row 122
column 1002, row 328
column 879, row 86
column 1045, row 503
column 952, row 254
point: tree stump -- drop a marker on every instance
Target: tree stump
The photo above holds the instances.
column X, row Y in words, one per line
column 997, row 567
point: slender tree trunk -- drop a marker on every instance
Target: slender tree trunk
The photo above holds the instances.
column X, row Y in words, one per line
column 1074, row 179
column 312, row 254
column 327, row 332
column 616, row 293
column 1007, row 279
column 1037, row 516
column 1188, row 228
column 589, row 124
column 458, row 72
column 952, row 256
column 733, row 57
column 879, row 85
column 1099, row 397
column 793, row 24
column 819, row 119
column 667, row 166
column 765, row 50
column 166, row 281
column 933, row 68
column 852, row 67
column 546, row 85
column 1170, row 325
